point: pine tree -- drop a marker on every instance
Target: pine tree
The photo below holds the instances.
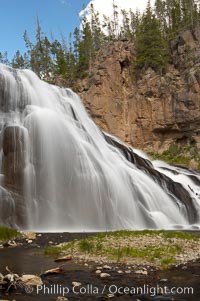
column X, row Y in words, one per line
column 39, row 53
column 190, row 13
column 125, row 30
column 77, row 38
column 176, row 16
column 4, row 58
column 97, row 33
column 160, row 10
column 59, row 61
column 115, row 21
column 86, row 50
column 111, row 25
column 150, row 45
column 18, row 60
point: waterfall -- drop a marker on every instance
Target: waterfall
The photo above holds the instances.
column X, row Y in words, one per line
column 59, row 172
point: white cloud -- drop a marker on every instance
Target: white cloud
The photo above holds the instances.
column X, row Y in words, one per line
column 65, row 2
column 106, row 7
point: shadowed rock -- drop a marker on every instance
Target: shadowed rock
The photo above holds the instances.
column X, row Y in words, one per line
column 13, row 144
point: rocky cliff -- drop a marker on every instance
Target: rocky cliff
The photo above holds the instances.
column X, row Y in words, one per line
column 155, row 110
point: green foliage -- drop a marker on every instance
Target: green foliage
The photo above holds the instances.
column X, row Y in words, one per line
column 4, row 58
column 180, row 235
column 8, row 233
column 54, row 251
column 178, row 155
column 177, row 15
column 70, row 60
column 189, row 10
column 150, row 44
column 152, row 254
column 85, row 245
column 18, row 61
column 85, row 49
column 39, row 52
column 129, row 233
column 167, row 261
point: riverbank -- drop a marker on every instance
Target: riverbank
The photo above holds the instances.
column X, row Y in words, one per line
column 82, row 277
column 156, row 248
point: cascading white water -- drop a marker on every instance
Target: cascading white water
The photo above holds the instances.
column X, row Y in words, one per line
column 73, row 180
column 190, row 180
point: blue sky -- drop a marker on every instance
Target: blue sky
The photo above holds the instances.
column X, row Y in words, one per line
column 56, row 16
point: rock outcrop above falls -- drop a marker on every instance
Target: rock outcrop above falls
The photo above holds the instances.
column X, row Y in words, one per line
column 156, row 110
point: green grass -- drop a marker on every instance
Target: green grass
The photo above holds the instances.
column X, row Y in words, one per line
column 127, row 233
column 57, row 250
column 165, row 262
column 86, row 245
column 178, row 155
column 8, row 233
column 180, row 235
column 152, row 254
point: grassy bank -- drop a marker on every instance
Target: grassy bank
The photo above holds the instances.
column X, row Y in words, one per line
column 160, row 248
column 187, row 156
column 7, row 234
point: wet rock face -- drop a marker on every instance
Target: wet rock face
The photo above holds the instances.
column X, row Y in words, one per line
column 13, row 140
column 13, row 144
column 156, row 110
column 13, row 211
column 6, row 207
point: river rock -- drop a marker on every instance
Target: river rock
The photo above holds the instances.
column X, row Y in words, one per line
column 64, row 258
column 104, row 275
column 128, row 272
column 10, row 243
column 58, row 270
column 142, row 272
column 30, row 235
column 62, row 299
column 98, row 272
column 163, row 280
column 31, row 280
column 107, row 267
column 110, row 296
column 74, row 283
